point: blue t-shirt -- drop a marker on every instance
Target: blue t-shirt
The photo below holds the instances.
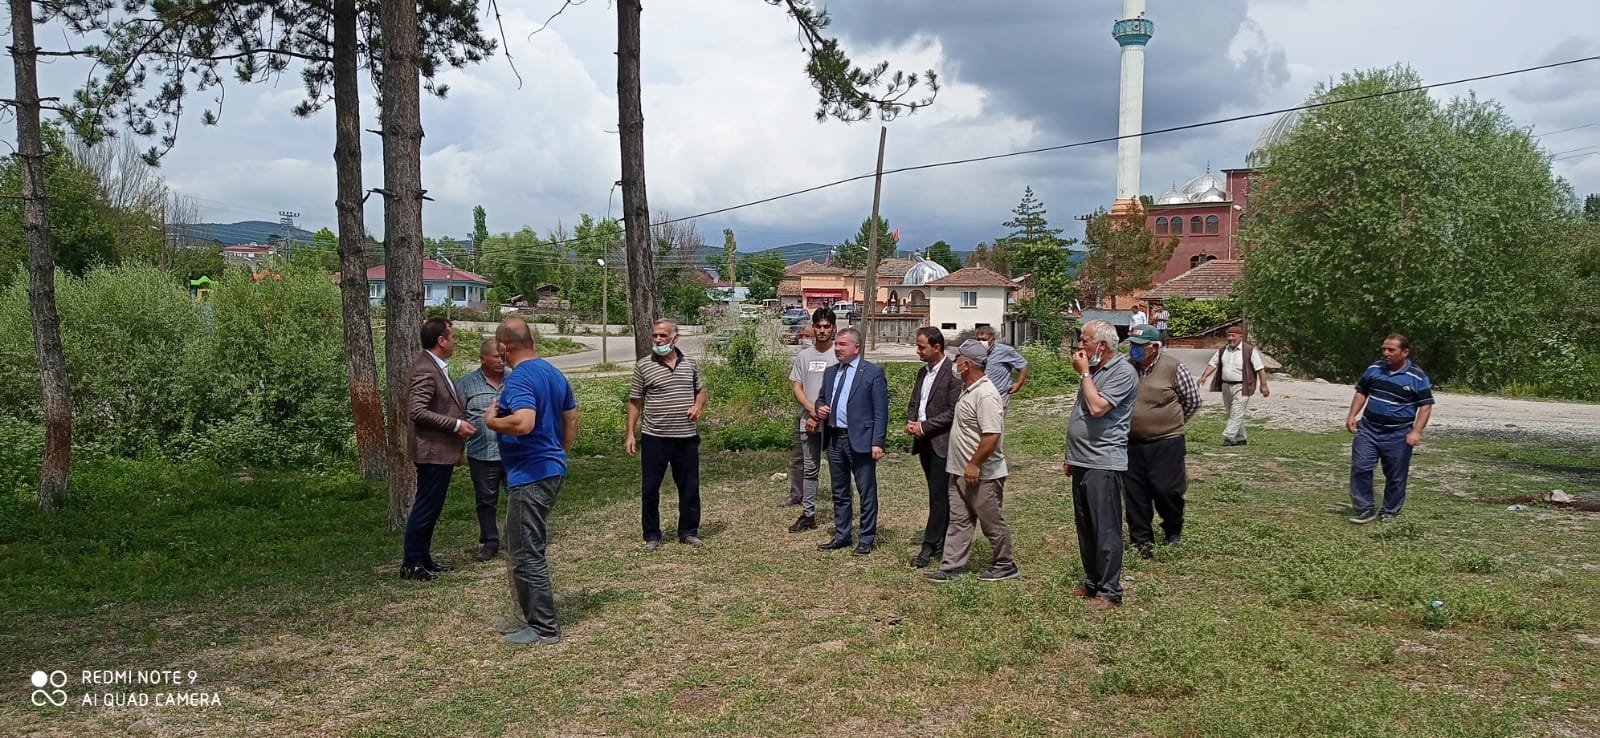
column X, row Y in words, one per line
column 535, row 385
column 1394, row 396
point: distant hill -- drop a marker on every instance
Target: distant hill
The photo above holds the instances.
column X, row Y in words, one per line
column 245, row 231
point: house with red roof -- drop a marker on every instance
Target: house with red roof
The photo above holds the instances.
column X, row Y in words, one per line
column 441, row 284
column 968, row 298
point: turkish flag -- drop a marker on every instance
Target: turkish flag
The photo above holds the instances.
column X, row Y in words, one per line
column 896, row 234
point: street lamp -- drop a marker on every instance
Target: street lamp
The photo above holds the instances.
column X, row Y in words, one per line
column 605, row 318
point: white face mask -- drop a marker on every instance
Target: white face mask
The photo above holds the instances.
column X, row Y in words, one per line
column 662, row 349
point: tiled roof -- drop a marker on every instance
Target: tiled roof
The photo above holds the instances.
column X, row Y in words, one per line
column 433, row 271
column 974, row 277
column 812, row 267
column 789, row 288
column 892, row 268
column 1210, row 281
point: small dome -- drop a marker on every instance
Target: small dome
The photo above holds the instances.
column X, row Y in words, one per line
column 1275, row 132
column 1213, row 195
column 924, row 271
column 1172, row 197
column 1198, row 186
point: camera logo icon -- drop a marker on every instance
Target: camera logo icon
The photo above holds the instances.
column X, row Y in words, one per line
column 56, row 695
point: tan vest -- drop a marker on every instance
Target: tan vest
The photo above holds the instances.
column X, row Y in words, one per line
column 1157, row 410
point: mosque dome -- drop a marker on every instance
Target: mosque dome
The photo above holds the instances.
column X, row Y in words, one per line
column 1215, row 194
column 1172, row 197
column 924, row 271
column 1196, row 188
column 1274, row 133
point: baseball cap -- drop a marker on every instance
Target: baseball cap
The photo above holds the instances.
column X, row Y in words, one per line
column 1144, row 334
column 975, row 351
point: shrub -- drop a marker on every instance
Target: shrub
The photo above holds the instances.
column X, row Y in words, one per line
column 1190, row 317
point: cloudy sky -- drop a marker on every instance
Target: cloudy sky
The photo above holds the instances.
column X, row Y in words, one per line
column 728, row 111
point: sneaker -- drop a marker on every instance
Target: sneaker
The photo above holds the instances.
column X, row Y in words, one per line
column 507, row 625
column 1172, row 540
column 1365, row 516
column 531, row 637
column 804, row 522
column 652, row 544
column 997, row 573
column 1387, row 517
column 942, row 576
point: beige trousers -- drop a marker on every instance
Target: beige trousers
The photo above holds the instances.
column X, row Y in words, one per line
column 981, row 504
column 1234, row 403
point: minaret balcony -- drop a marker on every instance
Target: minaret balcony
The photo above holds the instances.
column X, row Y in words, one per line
column 1133, row 31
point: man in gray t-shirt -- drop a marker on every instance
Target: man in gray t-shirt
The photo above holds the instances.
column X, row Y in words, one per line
column 1097, row 459
column 805, row 380
column 1003, row 360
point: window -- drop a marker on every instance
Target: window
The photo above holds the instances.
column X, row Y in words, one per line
column 1196, row 260
column 1161, row 226
column 375, row 289
column 1212, row 223
column 969, row 299
column 1195, row 225
column 1177, row 226
column 458, row 293
column 947, row 326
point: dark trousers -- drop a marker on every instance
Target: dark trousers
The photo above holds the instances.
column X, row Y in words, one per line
column 938, row 498
column 1097, row 513
column 843, row 463
column 683, row 456
column 797, row 468
column 1368, row 449
column 433, row 482
column 487, row 479
column 1156, row 481
column 527, row 512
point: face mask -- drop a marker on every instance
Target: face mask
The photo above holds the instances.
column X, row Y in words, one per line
column 956, row 369
column 1136, row 352
column 1094, row 360
column 662, row 349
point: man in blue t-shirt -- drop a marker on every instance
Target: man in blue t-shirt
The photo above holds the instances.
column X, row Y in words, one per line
column 536, row 418
column 1393, row 402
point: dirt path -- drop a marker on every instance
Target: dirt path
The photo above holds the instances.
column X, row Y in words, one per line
column 1303, row 405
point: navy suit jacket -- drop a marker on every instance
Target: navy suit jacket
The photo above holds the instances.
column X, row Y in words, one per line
column 867, row 407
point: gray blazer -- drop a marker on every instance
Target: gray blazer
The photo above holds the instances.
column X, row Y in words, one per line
column 941, row 408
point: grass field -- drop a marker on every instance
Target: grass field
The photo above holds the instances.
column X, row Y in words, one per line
column 1275, row 617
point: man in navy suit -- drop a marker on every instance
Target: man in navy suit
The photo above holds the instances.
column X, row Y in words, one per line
column 853, row 417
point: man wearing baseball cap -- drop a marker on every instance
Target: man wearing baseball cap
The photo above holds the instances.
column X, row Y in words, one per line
column 1168, row 396
column 977, row 467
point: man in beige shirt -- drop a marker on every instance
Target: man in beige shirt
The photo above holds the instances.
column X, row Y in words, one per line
column 977, row 467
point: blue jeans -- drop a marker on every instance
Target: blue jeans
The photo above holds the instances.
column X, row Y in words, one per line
column 1369, row 448
column 842, row 464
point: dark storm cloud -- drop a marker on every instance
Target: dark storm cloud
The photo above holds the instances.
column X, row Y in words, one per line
column 1054, row 63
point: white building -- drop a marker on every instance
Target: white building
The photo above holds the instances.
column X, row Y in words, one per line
column 969, row 298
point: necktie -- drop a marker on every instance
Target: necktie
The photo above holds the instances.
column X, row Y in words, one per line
column 838, row 389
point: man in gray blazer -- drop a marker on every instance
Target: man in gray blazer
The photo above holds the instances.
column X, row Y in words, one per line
column 928, row 415
column 853, row 417
column 436, row 441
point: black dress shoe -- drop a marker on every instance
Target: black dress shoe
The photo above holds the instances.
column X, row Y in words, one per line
column 923, row 557
column 834, row 544
column 489, row 551
column 437, row 567
column 417, row 573
column 862, row 549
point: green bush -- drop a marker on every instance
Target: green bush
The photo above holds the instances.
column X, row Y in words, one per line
column 1190, row 317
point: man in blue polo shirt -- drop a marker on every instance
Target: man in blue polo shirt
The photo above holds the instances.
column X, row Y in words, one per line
column 1393, row 402
column 536, row 418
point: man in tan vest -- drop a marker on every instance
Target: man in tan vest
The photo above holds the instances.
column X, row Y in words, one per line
column 1168, row 396
column 1237, row 368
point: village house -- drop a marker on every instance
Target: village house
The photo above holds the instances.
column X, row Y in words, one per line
column 441, row 285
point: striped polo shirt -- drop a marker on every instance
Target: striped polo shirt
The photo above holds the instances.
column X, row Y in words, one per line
column 667, row 393
column 1394, row 396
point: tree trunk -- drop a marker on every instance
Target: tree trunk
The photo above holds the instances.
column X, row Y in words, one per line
column 366, row 406
column 402, row 235
column 635, row 208
column 57, row 461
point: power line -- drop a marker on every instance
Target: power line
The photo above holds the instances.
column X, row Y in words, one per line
column 1110, row 139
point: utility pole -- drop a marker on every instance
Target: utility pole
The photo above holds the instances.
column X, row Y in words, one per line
column 605, row 316
column 870, row 299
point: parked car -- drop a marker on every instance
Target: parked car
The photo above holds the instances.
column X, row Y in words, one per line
column 846, row 309
column 796, row 315
column 722, row 338
column 749, row 312
column 792, row 336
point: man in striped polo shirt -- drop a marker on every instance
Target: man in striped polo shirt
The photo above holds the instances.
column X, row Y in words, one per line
column 667, row 390
column 1393, row 402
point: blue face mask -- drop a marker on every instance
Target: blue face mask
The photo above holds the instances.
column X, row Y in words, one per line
column 662, row 349
column 1136, row 353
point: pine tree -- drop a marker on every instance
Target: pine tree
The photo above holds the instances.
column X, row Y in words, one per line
column 1028, row 224
column 853, row 253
